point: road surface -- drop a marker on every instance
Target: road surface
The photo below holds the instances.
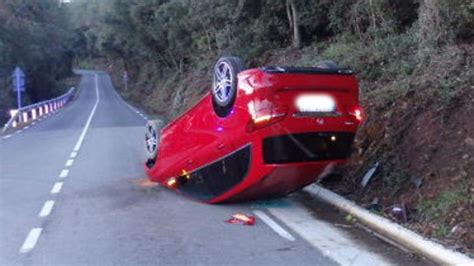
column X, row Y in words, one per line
column 70, row 194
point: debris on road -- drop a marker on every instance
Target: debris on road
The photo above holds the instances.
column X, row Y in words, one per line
column 145, row 183
column 241, row 219
column 368, row 176
column 343, row 225
column 349, row 218
column 375, row 205
column 398, row 212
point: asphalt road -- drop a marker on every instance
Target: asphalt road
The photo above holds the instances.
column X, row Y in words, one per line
column 69, row 194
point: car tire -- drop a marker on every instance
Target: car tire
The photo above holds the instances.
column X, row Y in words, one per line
column 327, row 64
column 152, row 138
column 224, row 84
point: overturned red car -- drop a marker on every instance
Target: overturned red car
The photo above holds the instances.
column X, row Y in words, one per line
column 262, row 132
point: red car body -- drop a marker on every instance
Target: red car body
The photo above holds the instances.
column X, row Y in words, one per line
column 266, row 146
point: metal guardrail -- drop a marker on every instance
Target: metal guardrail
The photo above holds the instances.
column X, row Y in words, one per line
column 37, row 110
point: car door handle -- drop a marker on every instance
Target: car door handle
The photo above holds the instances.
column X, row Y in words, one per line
column 220, row 146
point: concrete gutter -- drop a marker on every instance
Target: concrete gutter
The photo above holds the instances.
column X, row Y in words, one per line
column 395, row 232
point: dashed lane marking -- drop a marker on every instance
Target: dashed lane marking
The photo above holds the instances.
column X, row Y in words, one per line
column 273, row 225
column 31, row 240
column 35, row 233
column 69, row 162
column 47, row 208
column 64, row 173
column 7, row 136
column 57, row 188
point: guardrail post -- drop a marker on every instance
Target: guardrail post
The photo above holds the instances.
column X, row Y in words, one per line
column 40, row 111
column 33, row 114
column 25, row 117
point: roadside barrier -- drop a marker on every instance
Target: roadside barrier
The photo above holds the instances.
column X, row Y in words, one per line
column 395, row 232
column 32, row 112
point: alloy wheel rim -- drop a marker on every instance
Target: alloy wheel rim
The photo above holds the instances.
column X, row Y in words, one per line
column 223, row 82
column 151, row 140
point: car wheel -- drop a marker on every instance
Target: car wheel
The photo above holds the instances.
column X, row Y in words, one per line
column 224, row 85
column 152, row 138
column 327, row 64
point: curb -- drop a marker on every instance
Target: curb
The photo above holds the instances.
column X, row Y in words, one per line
column 395, row 232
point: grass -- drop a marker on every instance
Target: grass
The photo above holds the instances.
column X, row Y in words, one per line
column 441, row 231
column 438, row 208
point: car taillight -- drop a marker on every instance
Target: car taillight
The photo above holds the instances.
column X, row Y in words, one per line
column 266, row 117
column 358, row 114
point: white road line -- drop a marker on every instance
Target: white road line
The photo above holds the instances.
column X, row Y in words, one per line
column 7, row 136
column 69, row 162
column 19, row 131
column 273, row 225
column 88, row 123
column 64, row 173
column 26, row 127
column 47, row 208
column 57, row 188
column 34, row 123
column 330, row 240
column 73, row 154
column 31, row 240
column 133, row 108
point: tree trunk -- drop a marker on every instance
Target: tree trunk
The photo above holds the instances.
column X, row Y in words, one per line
column 293, row 19
column 247, row 9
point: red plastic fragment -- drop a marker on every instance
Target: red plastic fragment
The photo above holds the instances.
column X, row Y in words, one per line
column 241, row 219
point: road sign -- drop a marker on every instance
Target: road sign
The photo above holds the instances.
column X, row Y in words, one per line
column 18, row 80
column 18, row 84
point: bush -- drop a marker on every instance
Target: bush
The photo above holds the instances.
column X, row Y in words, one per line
column 441, row 22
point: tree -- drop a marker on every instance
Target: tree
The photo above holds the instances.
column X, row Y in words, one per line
column 293, row 20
